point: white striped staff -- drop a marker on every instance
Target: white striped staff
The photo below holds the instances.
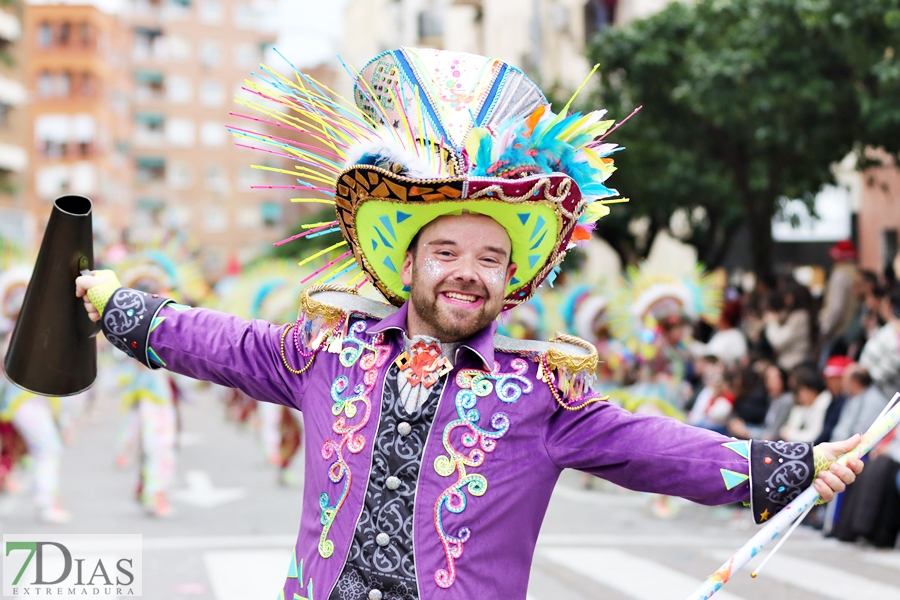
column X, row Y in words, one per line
column 796, row 510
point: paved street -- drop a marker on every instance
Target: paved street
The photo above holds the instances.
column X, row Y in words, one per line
column 598, row 543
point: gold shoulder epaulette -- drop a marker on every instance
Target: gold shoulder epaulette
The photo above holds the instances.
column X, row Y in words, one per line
column 334, row 302
column 564, row 351
column 566, row 364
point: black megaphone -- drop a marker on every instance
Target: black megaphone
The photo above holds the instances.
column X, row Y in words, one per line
column 53, row 350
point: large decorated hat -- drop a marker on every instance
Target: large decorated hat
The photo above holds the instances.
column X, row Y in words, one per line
column 434, row 133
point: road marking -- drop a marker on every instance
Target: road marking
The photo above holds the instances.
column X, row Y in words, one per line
column 679, row 541
column 631, row 575
column 201, row 491
column 825, row 580
column 885, row 559
column 220, row 542
column 243, row 575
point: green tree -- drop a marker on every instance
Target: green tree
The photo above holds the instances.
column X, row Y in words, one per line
column 745, row 102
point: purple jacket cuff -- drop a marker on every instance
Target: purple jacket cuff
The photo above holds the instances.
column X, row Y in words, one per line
column 127, row 321
column 779, row 471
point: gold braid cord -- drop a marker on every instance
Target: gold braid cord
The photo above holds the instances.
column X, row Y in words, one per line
column 314, row 308
column 557, row 358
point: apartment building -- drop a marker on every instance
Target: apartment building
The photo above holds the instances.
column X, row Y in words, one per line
column 545, row 38
column 78, row 115
column 16, row 224
column 189, row 59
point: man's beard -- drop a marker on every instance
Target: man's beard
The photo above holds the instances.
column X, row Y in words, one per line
column 441, row 318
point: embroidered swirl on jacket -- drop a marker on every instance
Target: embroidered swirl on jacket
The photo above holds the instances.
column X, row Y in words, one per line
column 787, row 481
column 344, row 407
column 477, row 442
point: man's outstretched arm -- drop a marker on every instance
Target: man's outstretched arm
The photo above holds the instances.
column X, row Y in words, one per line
column 200, row 343
column 661, row 455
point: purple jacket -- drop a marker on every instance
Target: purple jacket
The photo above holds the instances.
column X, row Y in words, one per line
column 502, row 434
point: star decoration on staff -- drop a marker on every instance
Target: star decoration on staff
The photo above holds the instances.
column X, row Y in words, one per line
column 423, row 364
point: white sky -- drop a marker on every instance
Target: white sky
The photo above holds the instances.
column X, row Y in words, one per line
column 309, row 31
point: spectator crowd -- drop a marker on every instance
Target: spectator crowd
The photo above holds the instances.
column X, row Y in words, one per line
column 776, row 363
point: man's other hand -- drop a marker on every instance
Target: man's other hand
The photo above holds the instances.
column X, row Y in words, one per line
column 836, row 478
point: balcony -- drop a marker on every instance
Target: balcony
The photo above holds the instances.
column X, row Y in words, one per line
column 13, row 158
column 10, row 27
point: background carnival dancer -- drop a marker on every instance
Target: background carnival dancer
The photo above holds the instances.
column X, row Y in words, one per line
column 651, row 314
column 27, row 418
column 268, row 290
column 457, row 191
column 150, row 398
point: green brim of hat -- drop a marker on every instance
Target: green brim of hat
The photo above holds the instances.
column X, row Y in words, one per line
column 381, row 212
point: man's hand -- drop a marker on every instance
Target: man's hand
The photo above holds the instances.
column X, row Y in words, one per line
column 836, row 479
column 84, row 283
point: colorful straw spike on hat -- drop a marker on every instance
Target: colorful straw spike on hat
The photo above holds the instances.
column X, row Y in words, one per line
column 435, row 133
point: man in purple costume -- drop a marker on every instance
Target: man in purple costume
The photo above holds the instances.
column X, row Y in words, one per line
column 440, row 442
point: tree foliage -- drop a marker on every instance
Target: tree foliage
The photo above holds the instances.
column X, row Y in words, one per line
column 746, row 102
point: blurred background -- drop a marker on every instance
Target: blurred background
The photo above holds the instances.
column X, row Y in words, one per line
column 761, row 238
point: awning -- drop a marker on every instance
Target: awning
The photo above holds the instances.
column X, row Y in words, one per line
column 271, row 211
column 151, row 162
column 151, row 204
column 151, row 119
column 10, row 28
column 12, row 93
column 83, row 128
column 151, row 77
column 13, row 158
column 51, row 127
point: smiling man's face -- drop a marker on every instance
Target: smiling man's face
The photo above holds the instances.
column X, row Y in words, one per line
column 457, row 274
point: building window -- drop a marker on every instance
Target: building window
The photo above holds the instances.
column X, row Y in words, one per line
column 180, row 132
column 248, row 177
column 247, row 55
column 212, row 134
column 272, row 213
column 215, row 219
column 86, row 88
column 430, row 25
column 178, row 89
column 181, row 176
column 179, row 48
column 45, row 35
column 245, row 16
column 83, row 178
column 65, row 33
column 147, row 44
column 216, row 179
column 151, row 169
column 86, row 34
column 64, row 85
column 209, row 54
column 51, row 134
column 84, row 132
column 598, row 15
column 212, row 93
column 148, row 129
column 51, row 181
column 148, row 85
column 45, row 86
column 211, row 12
